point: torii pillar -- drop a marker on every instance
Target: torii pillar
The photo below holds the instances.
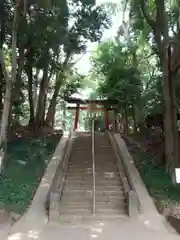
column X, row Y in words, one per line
column 76, row 117
column 107, row 119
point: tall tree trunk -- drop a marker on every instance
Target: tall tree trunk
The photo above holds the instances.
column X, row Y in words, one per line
column 2, row 79
column 64, row 117
column 174, row 119
column 51, row 110
column 30, row 95
column 161, row 37
column 1, row 91
column 44, row 109
column 126, row 120
column 9, row 86
column 35, row 89
column 134, row 118
column 168, row 122
column 17, row 94
column 41, row 99
column 52, row 106
column 5, row 113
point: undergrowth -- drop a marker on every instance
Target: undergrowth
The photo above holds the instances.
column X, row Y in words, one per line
column 26, row 161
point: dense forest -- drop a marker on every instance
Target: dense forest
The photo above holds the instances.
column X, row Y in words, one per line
column 41, row 42
column 140, row 68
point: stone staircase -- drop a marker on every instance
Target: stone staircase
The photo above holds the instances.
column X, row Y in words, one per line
column 77, row 198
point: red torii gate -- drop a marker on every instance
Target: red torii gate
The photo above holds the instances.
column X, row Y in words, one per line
column 107, row 105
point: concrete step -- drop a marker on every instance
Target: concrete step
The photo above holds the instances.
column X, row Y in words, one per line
column 98, row 167
column 88, row 212
column 87, row 193
column 84, row 151
column 85, row 170
column 110, row 182
column 84, row 162
column 77, row 198
column 88, row 186
column 116, row 204
column 89, row 171
column 110, row 211
column 81, row 163
column 69, row 218
column 100, row 149
column 88, row 177
column 100, row 176
column 67, row 198
column 102, row 182
column 75, row 211
column 70, row 203
column 81, row 155
column 81, row 148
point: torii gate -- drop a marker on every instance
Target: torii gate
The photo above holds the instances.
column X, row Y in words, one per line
column 107, row 106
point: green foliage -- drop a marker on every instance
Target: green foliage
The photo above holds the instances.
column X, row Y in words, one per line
column 156, row 178
column 121, row 79
column 26, row 162
column 71, row 85
column 49, row 34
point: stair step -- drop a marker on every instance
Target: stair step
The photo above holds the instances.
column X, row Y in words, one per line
column 81, row 158
column 88, row 171
column 84, row 193
column 77, row 187
column 67, row 198
column 111, row 182
column 89, row 163
column 88, row 177
column 76, row 204
column 76, row 211
column 82, row 166
column 88, row 204
column 106, row 158
column 69, row 218
column 77, row 197
column 110, row 211
column 86, row 211
column 100, row 151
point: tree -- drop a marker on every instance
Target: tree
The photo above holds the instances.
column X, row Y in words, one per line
column 45, row 37
column 162, row 19
column 121, row 80
column 9, row 82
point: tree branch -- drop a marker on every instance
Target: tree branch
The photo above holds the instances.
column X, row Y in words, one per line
column 149, row 20
column 176, row 54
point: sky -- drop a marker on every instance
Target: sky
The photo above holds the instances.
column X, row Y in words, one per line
column 84, row 64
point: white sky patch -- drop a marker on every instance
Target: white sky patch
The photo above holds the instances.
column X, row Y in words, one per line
column 83, row 65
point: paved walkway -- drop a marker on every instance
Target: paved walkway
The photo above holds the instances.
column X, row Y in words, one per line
column 117, row 230
column 34, row 224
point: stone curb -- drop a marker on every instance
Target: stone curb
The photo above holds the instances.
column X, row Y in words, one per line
column 148, row 212
column 131, row 195
column 5, row 224
column 58, row 183
column 36, row 216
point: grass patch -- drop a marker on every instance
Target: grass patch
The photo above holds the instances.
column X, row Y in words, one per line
column 25, row 166
column 156, row 179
